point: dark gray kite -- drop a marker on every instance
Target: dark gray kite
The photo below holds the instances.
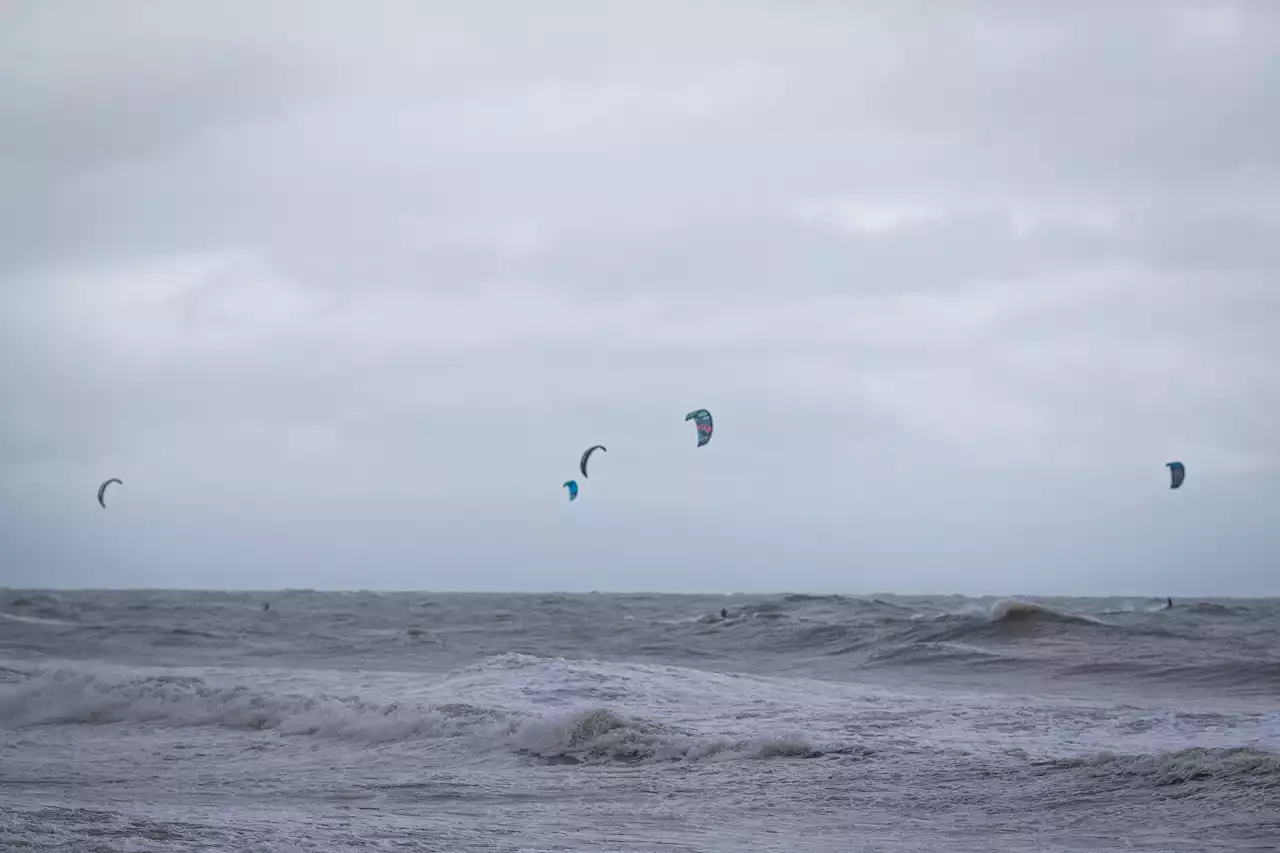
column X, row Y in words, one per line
column 582, row 463
column 102, row 490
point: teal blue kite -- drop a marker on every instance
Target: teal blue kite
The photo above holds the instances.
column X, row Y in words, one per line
column 572, row 486
column 702, row 419
column 1177, row 473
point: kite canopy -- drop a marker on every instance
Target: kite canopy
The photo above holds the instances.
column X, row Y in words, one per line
column 1177, row 473
column 702, row 419
column 572, row 486
column 102, row 490
column 582, row 463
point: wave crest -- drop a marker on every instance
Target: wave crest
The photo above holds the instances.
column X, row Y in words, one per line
column 1258, row 768
column 1018, row 610
column 595, row 735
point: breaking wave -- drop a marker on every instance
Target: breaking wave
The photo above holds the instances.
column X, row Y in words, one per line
column 1248, row 768
column 1017, row 610
column 592, row 734
column 602, row 735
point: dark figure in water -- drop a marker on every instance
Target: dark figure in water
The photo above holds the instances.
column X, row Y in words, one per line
column 724, row 613
column 266, row 605
column 1169, row 606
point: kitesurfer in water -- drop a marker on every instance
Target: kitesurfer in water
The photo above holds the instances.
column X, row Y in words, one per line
column 724, row 613
column 1169, row 606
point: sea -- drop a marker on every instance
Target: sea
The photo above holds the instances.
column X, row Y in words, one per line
column 411, row 721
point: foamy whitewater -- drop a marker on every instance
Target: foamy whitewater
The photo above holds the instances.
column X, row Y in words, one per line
column 185, row 721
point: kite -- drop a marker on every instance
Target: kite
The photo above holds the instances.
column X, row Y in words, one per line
column 582, row 463
column 102, row 490
column 701, row 418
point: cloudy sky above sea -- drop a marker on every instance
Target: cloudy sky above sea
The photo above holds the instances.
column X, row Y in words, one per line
column 341, row 291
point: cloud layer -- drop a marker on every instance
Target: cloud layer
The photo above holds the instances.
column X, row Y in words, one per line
column 341, row 294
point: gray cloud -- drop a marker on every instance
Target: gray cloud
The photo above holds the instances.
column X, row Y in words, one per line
column 341, row 295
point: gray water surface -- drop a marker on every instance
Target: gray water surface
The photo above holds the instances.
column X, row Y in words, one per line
column 184, row 721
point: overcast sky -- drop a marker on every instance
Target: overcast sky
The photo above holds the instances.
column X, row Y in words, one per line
column 342, row 290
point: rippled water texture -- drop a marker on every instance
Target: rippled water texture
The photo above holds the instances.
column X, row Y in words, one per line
column 133, row 721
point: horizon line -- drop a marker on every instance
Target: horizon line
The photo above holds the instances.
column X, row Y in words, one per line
column 708, row 593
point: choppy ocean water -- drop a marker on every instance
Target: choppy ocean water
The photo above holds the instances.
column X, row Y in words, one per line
column 185, row 721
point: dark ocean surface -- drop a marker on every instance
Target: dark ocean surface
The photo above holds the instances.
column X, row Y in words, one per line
column 197, row 721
